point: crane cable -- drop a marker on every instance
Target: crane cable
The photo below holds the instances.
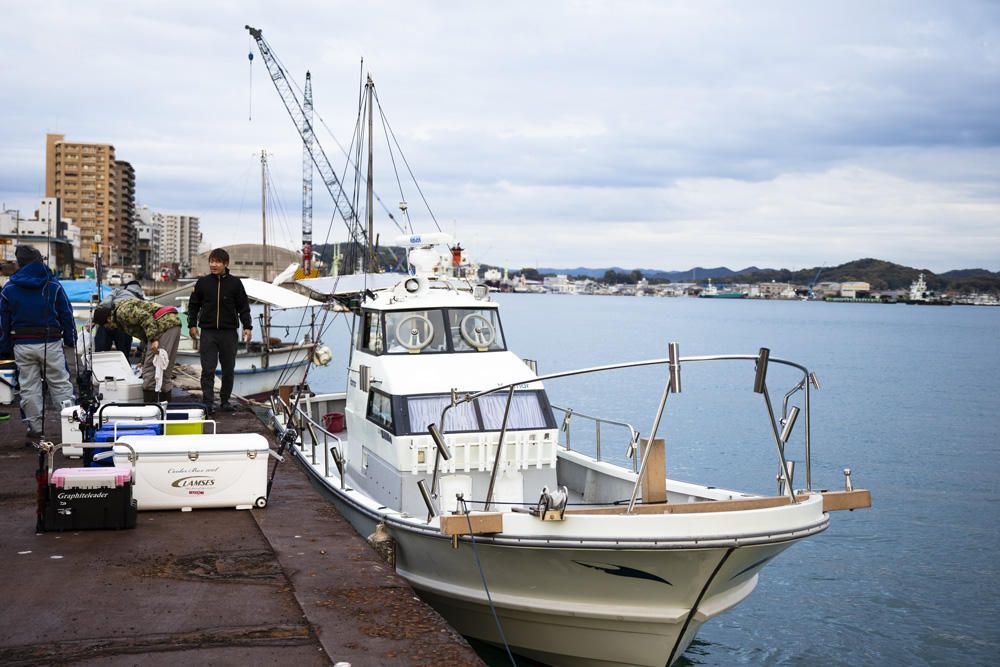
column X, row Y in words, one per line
column 250, row 57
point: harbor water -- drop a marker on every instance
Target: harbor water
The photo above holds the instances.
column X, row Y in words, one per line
column 909, row 401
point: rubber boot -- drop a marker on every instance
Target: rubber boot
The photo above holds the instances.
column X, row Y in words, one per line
column 165, row 396
column 149, row 396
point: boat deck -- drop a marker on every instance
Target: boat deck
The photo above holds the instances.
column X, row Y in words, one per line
column 289, row 584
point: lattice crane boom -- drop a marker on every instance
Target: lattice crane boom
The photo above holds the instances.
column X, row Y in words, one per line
column 303, row 123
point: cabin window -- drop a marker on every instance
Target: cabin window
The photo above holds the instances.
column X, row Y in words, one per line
column 415, row 331
column 475, row 329
column 424, row 410
column 526, row 411
column 372, row 339
column 380, row 409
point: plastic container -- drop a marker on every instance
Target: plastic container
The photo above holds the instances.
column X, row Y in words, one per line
column 191, row 471
column 6, row 385
column 333, row 422
column 116, row 380
column 107, row 433
column 182, row 421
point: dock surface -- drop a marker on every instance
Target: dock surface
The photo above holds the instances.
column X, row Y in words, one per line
column 292, row 583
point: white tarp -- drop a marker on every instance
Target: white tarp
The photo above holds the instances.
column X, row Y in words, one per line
column 353, row 283
column 275, row 296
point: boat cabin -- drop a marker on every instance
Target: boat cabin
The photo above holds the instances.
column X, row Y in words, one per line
column 412, row 345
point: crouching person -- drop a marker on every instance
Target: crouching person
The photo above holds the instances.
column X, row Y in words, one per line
column 158, row 327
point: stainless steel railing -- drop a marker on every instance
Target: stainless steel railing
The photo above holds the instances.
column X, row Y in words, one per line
column 569, row 415
column 673, row 385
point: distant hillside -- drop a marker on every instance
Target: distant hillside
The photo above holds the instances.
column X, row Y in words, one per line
column 691, row 275
column 881, row 275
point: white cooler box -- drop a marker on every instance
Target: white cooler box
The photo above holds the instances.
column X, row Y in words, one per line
column 188, row 471
column 116, row 380
column 70, row 422
column 111, row 415
column 7, row 386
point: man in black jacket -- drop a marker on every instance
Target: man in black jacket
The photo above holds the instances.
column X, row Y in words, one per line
column 217, row 306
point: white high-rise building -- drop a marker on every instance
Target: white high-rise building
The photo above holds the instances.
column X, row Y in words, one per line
column 149, row 240
column 180, row 240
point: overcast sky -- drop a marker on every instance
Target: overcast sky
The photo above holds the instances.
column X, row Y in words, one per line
column 639, row 134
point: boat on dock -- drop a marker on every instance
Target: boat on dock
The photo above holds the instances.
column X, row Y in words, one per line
column 451, row 445
column 445, row 451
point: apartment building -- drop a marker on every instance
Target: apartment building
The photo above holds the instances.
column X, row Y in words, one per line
column 56, row 237
column 180, row 241
column 149, row 240
column 97, row 192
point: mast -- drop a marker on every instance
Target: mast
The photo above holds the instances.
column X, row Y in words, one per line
column 263, row 212
column 307, row 181
column 372, row 264
column 265, row 333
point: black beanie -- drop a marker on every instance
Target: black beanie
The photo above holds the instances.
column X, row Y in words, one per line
column 26, row 254
column 101, row 314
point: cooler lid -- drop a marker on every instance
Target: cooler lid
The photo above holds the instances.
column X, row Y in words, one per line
column 220, row 443
column 130, row 412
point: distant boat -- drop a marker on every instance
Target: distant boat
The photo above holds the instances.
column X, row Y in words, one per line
column 921, row 297
column 713, row 292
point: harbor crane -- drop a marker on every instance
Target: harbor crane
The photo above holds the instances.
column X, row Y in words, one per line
column 301, row 116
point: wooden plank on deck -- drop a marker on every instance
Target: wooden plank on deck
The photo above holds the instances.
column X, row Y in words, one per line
column 482, row 523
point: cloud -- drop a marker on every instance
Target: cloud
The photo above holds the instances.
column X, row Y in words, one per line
column 740, row 134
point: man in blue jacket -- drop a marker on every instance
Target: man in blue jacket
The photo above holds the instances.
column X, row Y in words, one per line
column 36, row 320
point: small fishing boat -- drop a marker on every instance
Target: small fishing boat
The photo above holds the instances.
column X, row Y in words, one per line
column 445, row 450
column 269, row 362
column 452, row 456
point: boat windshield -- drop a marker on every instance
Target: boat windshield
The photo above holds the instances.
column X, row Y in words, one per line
column 528, row 410
column 432, row 330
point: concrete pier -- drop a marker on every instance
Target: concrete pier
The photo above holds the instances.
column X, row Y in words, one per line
column 288, row 584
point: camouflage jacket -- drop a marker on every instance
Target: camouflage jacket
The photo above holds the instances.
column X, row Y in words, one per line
column 135, row 317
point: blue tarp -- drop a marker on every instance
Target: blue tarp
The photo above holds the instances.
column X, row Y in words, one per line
column 81, row 290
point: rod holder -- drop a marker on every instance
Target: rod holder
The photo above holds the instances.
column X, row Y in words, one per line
column 673, row 352
column 426, row 495
column 814, row 381
column 364, row 377
column 439, row 441
column 781, row 479
column 789, row 423
column 566, row 419
column 848, row 484
column 761, row 377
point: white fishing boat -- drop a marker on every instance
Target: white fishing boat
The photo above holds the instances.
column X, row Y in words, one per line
column 451, row 443
column 454, row 463
column 267, row 362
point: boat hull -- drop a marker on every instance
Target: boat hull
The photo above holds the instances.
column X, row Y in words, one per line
column 252, row 378
column 566, row 604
